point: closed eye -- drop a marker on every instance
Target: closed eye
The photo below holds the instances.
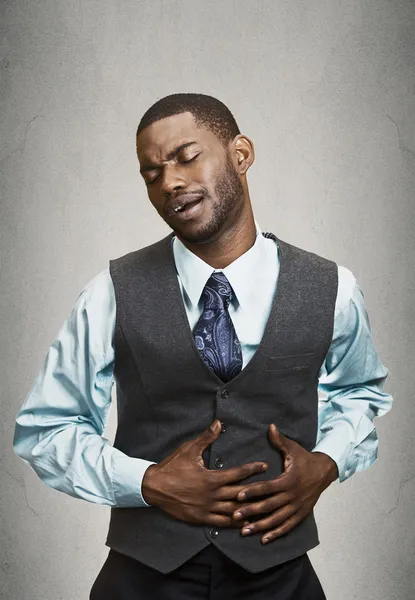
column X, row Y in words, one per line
column 190, row 159
column 149, row 182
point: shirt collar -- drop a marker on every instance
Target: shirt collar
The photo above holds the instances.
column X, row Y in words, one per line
column 194, row 272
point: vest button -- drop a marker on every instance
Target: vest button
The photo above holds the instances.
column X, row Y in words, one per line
column 218, row 463
column 213, row 532
column 223, row 428
column 224, row 393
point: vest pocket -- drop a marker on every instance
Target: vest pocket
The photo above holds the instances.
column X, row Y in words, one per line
column 294, row 362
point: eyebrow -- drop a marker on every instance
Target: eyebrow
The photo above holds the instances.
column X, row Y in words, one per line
column 172, row 154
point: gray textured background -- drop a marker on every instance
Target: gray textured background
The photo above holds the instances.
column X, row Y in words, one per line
column 325, row 89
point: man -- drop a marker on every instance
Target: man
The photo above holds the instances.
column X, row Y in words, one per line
column 219, row 337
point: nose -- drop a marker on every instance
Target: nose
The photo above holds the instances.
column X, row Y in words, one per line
column 172, row 179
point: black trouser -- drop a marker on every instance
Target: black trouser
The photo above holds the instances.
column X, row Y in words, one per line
column 207, row 576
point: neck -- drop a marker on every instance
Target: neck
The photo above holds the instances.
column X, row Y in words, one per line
column 232, row 242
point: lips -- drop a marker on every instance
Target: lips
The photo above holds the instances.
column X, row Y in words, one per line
column 181, row 201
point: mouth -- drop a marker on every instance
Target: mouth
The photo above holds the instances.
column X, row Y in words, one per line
column 185, row 206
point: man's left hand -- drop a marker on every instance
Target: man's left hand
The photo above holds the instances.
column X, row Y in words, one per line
column 292, row 495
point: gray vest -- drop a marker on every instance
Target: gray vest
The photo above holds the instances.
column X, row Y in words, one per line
column 167, row 395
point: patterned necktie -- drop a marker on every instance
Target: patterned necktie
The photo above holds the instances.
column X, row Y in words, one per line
column 214, row 334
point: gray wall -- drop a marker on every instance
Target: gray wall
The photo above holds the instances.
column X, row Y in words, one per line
column 325, row 91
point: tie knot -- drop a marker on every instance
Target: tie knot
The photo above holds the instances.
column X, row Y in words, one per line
column 217, row 292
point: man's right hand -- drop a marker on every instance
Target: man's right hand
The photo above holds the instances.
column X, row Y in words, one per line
column 183, row 487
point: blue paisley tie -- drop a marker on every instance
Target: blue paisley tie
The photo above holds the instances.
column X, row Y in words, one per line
column 214, row 334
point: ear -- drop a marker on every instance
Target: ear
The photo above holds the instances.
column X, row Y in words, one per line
column 242, row 148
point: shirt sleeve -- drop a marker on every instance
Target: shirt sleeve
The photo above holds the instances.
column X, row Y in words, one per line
column 351, row 382
column 59, row 427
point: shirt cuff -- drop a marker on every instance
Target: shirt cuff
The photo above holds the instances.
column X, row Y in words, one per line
column 127, row 478
column 338, row 451
column 351, row 458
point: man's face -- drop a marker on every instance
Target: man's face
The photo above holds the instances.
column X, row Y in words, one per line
column 187, row 168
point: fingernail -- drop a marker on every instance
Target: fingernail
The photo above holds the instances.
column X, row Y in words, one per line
column 241, row 496
column 264, row 467
column 237, row 515
column 266, row 540
column 246, row 531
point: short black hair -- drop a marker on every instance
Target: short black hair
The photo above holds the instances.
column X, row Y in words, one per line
column 207, row 111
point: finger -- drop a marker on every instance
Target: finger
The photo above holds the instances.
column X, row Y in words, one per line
column 225, row 508
column 264, row 506
column 235, row 474
column 218, row 520
column 278, row 440
column 266, row 488
column 271, row 521
column 207, row 437
column 228, row 492
column 282, row 529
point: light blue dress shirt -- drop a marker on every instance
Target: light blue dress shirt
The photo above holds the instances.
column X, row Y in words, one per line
column 59, row 429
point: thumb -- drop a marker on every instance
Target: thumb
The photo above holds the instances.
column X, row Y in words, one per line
column 208, row 436
column 278, row 440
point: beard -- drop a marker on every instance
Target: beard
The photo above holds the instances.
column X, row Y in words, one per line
column 229, row 193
